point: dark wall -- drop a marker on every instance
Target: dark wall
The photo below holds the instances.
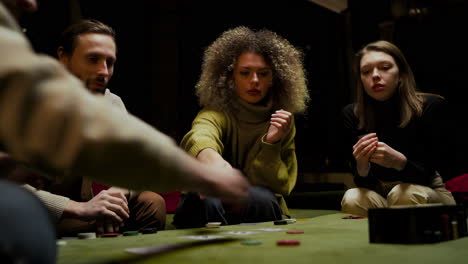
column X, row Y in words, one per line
column 161, row 43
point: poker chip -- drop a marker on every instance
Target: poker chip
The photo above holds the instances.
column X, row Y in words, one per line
column 280, row 222
column 352, row 217
column 61, row 243
column 110, row 235
column 86, row 235
column 288, row 242
column 251, row 242
column 295, row 232
column 149, row 230
column 213, row 224
column 131, row 233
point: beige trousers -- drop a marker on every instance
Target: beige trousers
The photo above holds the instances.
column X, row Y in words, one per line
column 356, row 201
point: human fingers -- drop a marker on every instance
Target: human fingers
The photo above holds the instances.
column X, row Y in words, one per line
column 369, row 151
column 100, row 226
column 283, row 112
column 118, row 211
column 358, row 147
column 116, row 226
column 377, row 158
column 366, row 137
column 365, row 152
column 115, row 198
column 108, row 226
column 119, row 192
column 381, row 148
column 284, row 123
column 282, row 115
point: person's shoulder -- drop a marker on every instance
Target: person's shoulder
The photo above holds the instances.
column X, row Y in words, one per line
column 433, row 103
column 348, row 110
column 7, row 20
column 211, row 113
column 430, row 99
column 349, row 107
column 114, row 99
column 108, row 93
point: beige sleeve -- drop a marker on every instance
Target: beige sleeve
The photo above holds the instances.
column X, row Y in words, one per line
column 115, row 100
column 48, row 119
column 55, row 203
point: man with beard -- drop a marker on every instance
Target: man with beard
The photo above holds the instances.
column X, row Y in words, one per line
column 88, row 50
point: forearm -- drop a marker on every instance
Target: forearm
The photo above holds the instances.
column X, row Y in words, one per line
column 72, row 210
column 362, row 169
column 73, row 131
column 210, row 156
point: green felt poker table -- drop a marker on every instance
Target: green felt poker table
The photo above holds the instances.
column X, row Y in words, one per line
column 327, row 238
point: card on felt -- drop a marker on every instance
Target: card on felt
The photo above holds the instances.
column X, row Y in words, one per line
column 202, row 237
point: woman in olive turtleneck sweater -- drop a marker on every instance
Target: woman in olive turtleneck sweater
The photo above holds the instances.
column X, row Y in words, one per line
column 251, row 83
column 394, row 133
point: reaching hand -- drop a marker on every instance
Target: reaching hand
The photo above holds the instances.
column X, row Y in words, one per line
column 123, row 191
column 387, row 157
column 280, row 124
column 362, row 152
column 108, row 208
column 107, row 224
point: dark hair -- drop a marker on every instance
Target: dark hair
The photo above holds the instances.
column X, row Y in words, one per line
column 69, row 36
column 410, row 100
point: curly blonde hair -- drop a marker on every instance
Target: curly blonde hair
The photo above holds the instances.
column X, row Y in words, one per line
column 216, row 85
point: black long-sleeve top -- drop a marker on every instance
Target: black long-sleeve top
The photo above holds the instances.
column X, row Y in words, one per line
column 420, row 141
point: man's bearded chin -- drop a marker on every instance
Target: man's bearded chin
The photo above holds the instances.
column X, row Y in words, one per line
column 95, row 90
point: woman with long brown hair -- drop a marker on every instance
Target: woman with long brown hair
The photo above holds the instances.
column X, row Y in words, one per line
column 393, row 130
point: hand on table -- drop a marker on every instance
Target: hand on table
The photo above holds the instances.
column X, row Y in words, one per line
column 109, row 209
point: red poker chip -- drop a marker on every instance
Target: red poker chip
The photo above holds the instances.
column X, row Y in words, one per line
column 110, row 234
column 353, row 217
column 295, row 232
column 288, row 242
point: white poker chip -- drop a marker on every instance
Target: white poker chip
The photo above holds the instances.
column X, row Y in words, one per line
column 213, row 224
column 86, row 235
column 61, row 243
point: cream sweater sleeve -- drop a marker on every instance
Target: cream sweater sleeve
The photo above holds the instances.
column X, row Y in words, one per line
column 55, row 203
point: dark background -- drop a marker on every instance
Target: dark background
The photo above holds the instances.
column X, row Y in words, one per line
column 161, row 42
